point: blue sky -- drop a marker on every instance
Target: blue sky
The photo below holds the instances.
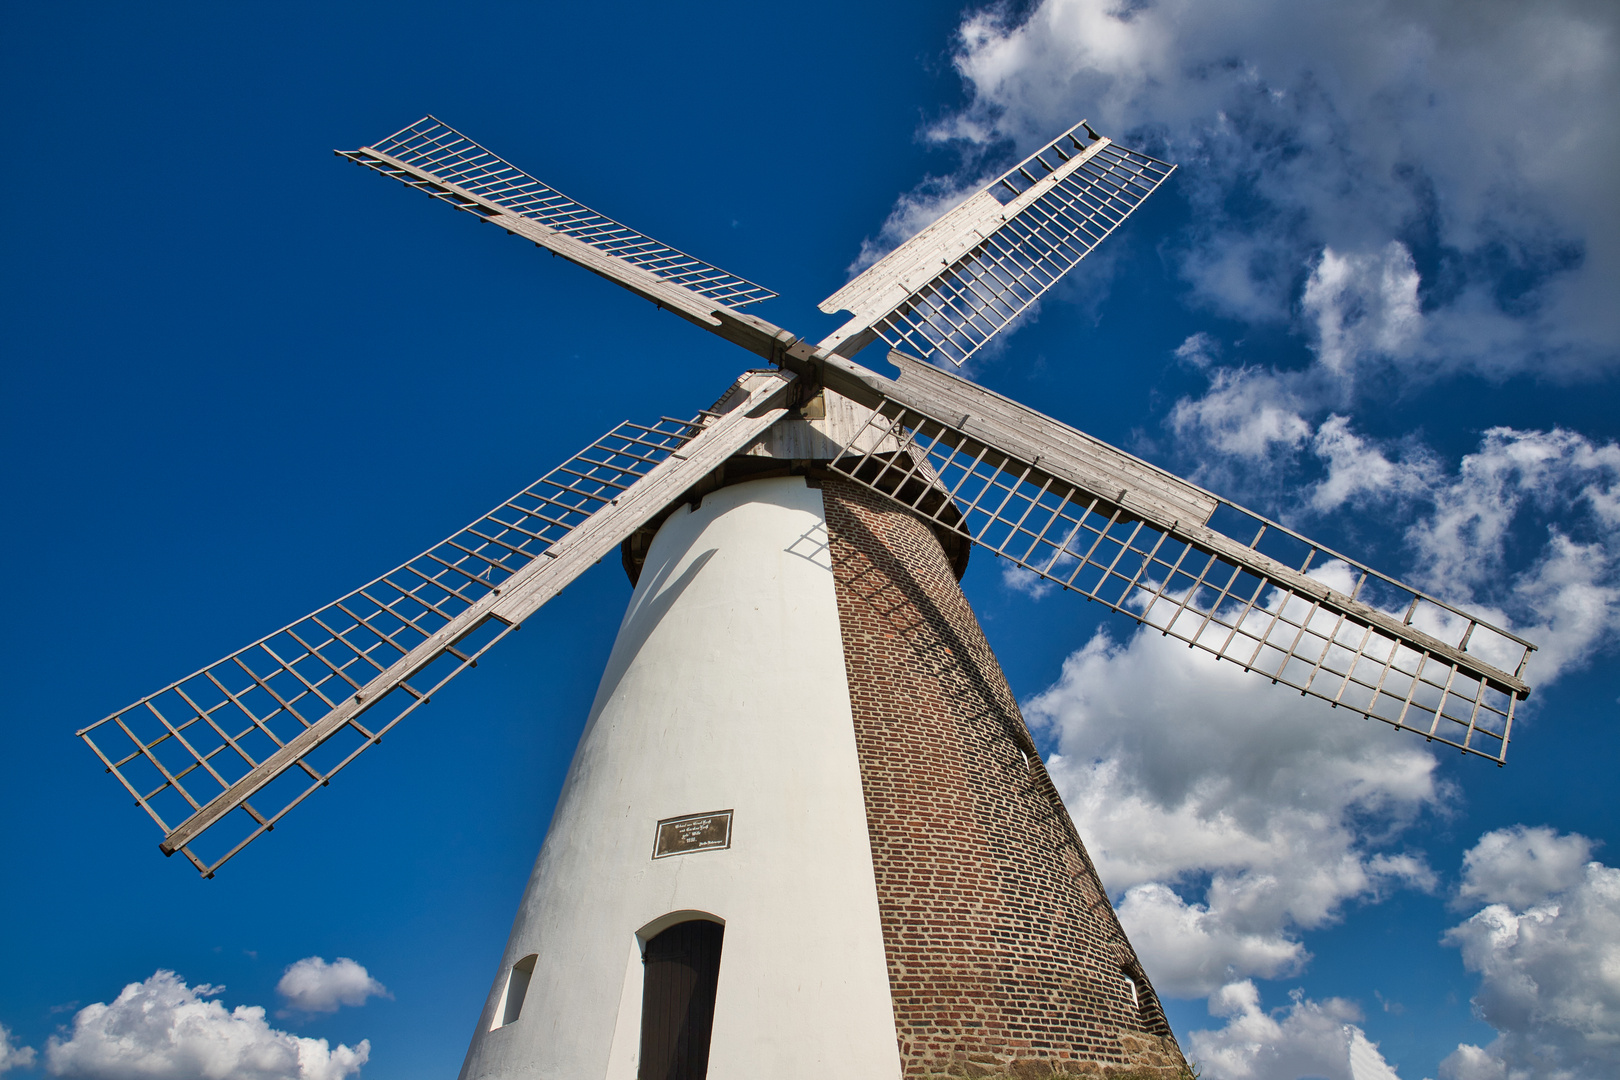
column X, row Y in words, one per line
column 242, row 377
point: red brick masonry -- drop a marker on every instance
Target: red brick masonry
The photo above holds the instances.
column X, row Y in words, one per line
column 1005, row 956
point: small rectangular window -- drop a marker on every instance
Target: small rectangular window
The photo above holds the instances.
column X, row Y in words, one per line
column 517, row 988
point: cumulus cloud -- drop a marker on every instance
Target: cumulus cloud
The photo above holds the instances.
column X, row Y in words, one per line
column 1226, row 815
column 1329, row 151
column 1550, row 492
column 313, row 986
column 1363, row 306
column 162, row 1029
column 1547, row 950
column 1247, row 413
column 11, row 1055
column 1028, row 582
column 1359, row 470
column 1474, row 514
column 1522, row 529
column 1200, row 350
column 1521, row 867
column 1308, row 1038
column 1190, row 946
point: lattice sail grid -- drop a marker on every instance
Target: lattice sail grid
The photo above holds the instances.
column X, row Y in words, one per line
column 1280, row 604
column 957, row 312
column 447, row 155
column 178, row 749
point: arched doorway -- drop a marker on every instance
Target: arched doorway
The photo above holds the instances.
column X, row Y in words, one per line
column 681, row 968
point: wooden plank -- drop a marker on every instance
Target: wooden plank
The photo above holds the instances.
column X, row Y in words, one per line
column 885, row 284
column 876, row 291
column 522, row 593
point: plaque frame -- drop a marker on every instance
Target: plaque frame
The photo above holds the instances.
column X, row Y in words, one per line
column 671, row 838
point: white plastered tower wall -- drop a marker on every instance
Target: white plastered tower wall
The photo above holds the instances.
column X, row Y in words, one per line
column 726, row 689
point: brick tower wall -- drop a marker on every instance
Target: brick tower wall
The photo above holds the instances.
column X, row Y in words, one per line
column 1005, row 956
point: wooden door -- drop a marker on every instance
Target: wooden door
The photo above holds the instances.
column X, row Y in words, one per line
column 682, row 968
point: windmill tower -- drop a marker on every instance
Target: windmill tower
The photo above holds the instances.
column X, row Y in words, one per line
column 806, row 832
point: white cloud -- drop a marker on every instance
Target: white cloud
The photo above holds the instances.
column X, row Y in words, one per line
column 1521, row 867
column 1363, row 306
column 162, row 1029
column 1547, row 950
column 1469, row 1062
column 1028, row 582
column 1189, row 947
column 1574, row 588
column 1200, row 350
column 1248, row 413
column 1309, row 1038
column 1359, row 470
column 1343, row 137
column 1468, row 531
column 1567, row 599
column 12, row 1056
column 1189, row 775
column 313, row 986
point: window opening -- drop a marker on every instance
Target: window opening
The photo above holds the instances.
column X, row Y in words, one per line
column 1148, row 1011
column 517, row 988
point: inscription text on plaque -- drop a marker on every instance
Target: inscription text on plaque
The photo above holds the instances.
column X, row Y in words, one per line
column 693, row 832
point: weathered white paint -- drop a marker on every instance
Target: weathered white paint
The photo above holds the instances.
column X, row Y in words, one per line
column 726, row 689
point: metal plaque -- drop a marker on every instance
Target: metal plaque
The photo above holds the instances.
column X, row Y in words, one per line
column 693, row 832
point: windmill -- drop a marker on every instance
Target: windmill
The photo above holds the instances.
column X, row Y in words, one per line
column 806, row 832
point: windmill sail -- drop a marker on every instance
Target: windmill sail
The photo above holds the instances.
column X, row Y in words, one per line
column 1095, row 520
column 435, row 158
column 951, row 288
column 251, row 736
